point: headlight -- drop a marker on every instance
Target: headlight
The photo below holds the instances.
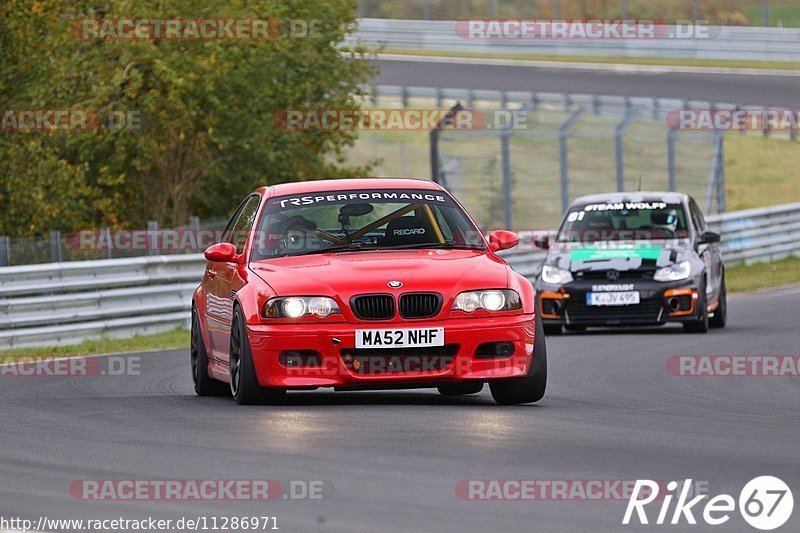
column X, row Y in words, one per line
column 298, row 306
column 555, row 275
column 674, row 272
column 493, row 300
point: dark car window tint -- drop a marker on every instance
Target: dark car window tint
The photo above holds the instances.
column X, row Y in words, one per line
column 244, row 224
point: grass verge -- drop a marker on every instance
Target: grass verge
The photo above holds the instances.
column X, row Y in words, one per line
column 177, row 338
column 743, row 278
column 606, row 60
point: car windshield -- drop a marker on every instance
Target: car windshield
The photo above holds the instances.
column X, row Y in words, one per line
column 623, row 221
column 362, row 220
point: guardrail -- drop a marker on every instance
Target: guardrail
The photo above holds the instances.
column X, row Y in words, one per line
column 62, row 303
column 723, row 42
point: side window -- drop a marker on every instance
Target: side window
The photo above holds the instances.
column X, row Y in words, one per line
column 243, row 224
column 697, row 216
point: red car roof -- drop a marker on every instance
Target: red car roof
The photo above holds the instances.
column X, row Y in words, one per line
column 302, row 187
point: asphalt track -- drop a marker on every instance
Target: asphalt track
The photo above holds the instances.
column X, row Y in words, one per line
column 769, row 90
column 393, row 458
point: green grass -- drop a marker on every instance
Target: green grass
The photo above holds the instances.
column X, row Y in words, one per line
column 177, row 338
column 787, row 16
column 761, row 171
column 744, row 278
column 654, row 61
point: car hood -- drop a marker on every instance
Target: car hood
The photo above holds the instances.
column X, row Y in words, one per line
column 348, row 273
column 619, row 256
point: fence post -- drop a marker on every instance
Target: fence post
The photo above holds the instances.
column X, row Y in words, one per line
column 5, row 250
column 55, row 246
column 505, row 151
column 404, row 96
column 563, row 135
column 152, row 233
column 720, row 178
column 765, row 121
column 106, row 237
column 436, row 174
column 716, row 183
column 672, row 179
column 619, row 133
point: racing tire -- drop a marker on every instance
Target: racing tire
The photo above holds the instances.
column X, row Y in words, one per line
column 720, row 317
column 204, row 385
column 245, row 388
column 460, row 389
column 552, row 329
column 701, row 324
column 530, row 388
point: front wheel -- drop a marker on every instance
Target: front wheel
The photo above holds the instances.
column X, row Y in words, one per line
column 530, row 388
column 720, row 317
column 701, row 324
column 245, row 387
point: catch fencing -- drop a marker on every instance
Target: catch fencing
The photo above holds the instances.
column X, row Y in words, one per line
column 525, row 171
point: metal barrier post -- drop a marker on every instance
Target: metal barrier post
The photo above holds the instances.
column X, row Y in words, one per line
column 106, row 237
column 563, row 135
column 619, row 133
column 5, row 250
column 55, row 246
column 672, row 179
column 505, row 151
column 152, row 233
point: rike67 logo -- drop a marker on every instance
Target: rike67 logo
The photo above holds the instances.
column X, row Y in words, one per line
column 765, row 502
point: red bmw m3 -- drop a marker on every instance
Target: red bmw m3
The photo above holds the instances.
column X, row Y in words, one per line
column 363, row 284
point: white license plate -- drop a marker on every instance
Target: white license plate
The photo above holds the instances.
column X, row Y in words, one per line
column 612, row 298
column 399, row 338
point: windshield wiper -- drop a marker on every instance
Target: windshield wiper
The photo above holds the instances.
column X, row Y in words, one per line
column 354, row 247
column 448, row 245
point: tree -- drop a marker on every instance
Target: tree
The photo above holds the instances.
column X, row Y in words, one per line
column 203, row 133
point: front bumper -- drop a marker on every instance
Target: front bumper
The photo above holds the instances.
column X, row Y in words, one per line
column 333, row 365
column 659, row 303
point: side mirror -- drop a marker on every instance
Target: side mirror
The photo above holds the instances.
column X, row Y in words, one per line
column 542, row 241
column 222, row 252
column 708, row 237
column 502, row 240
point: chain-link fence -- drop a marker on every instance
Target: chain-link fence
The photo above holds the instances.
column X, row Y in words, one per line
column 562, row 146
column 107, row 243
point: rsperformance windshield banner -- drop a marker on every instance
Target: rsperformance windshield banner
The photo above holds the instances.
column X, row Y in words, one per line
column 400, row 196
